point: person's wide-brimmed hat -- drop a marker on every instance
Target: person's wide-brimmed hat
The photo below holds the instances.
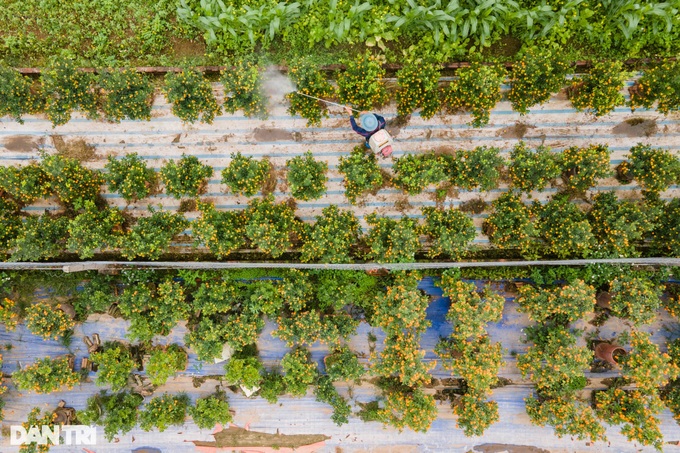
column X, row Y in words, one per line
column 368, row 121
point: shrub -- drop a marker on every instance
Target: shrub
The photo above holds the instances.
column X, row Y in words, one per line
column 35, row 420
column 164, row 411
column 480, row 167
column 269, row 226
column 666, row 235
column 25, row 184
column 360, row 84
column 9, row 316
column 164, row 362
column 46, row 321
column 414, row 172
column 343, row 365
column 306, row 177
column 476, row 361
column 65, row 88
column 94, row 229
column 582, row 167
column 562, row 305
column 402, row 359
column 72, row 183
column 114, row 365
column 450, row 232
column 10, row 228
column 564, row 229
column 117, row 413
column 475, row 415
column 16, row 97
column 243, row 89
column 477, row 90
column 361, row 173
column 659, row 84
column 211, row 410
column 96, row 296
column 392, row 241
column 244, row 371
column 187, row 178
column 535, row 77
column 531, row 170
column 127, row 95
column 567, row 416
column 511, row 226
column 206, row 339
column 470, row 310
column 221, row 231
column 326, row 393
column 401, row 306
column 410, row 408
column 39, row 238
column 418, row 89
column 599, row 91
column 130, row 177
column 272, row 387
column 46, row 376
column 191, row 96
column 646, row 366
column 245, row 175
column 331, row 237
column 299, row 372
column 655, row 169
column 309, row 81
column 311, row 326
column 150, row 236
column 635, row 298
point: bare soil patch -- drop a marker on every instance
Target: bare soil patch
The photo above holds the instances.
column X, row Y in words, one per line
column 636, row 127
column 187, row 48
column 234, row 437
column 22, row 143
column 517, row 131
column 76, row 149
column 264, row 134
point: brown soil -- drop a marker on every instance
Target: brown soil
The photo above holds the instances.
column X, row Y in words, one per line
column 187, row 48
column 507, row 46
column 517, row 131
column 507, row 448
column 239, row 437
column 636, row 127
column 22, row 143
column 263, row 134
column 75, row 149
column 475, row 206
column 269, row 185
column 402, row 204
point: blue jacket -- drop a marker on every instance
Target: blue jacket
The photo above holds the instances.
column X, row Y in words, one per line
column 363, row 132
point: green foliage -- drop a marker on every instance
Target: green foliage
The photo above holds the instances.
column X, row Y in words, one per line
column 39, row 238
column 243, row 86
column 418, row 89
column 635, row 298
column 244, row 371
column 245, row 175
column 582, row 167
column 531, row 170
column 392, row 241
column 655, row 169
column 401, row 306
column 666, row 236
column 269, row 226
column 537, row 75
column 598, row 91
column 186, row 178
column 343, row 365
column 94, row 229
column 562, row 305
column 567, row 416
column 511, row 226
column 477, row 90
column 449, row 230
column 331, row 237
column 402, row 359
column 9, row 316
column 130, row 177
column 311, row 326
column 646, row 366
column 34, row 419
column 360, row 84
column 206, row 339
column 326, row 393
column 164, row 411
column 659, row 85
column 470, row 310
column 117, row 413
column 46, row 376
column 114, row 365
column 475, row 415
column 273, row 386
column 221, row 231
column 564, row 229
column 65, row 89
column 480, row 167
column 299, row 371
column 361, row 173
column 25, row 184
column 414, row 172
column 72, row 183
column 306, row 177
column 211, row 410
column 191, row 96
column 151, row 236
column 312, row 82
column 476, row 361
column 408, row 407
column 152, row 309
column 96, row 296
column 16, row 97
column 47, row 321
column 127, row 95
column 164, row 362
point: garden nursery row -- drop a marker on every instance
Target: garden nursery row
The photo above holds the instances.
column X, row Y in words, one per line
column 125, row 94
column 559, row 351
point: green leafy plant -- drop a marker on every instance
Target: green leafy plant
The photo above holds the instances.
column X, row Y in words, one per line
column 130, row 177
column 164, row 362
column 94, row 229
column 243, row 84
column 245, row 175
column 16, row 97
column 361, row 173
column 564, row 228
column 477, row 90
column 269, row 226
column 326, row 393
column 418, row 89
column 46, row 376
column 186, row 178
column 537, row 75
column 409, row 407
column 331, row 237
column 470, row 310
column 655, row 169
column 151, row 236
column 475, row 415
column 306, row 177
column 598, row 91
column 511, row 225
column 309, row 81
column 34, row 420
column 191, row 96
column 310, row 326
column 39, row 238
column 47, row 321
column 562, row 305
column 476, row 361
column 65, row 89
column 646, row 365
column 244, row 371
column 402, row 359
column 531, row 170
column 211, row 410
column 114, row 364
column 299, row 372
column 480, row 167
column 582, row 167
column 342, row 364
column 657, row 85
column 9, row 315
column 449, row 230
column 127, row 95
column 360, row 84
column 221, row 231
column 117, row 412
column 272, row 387
column 414, row 172
column 392, row 241
column 72, row 183
column 635, row 298
column 164, row 411
column 25, row 184
column 567, row 416
column 666, row 235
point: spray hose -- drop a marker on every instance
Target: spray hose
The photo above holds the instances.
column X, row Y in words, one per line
column 327, row 102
